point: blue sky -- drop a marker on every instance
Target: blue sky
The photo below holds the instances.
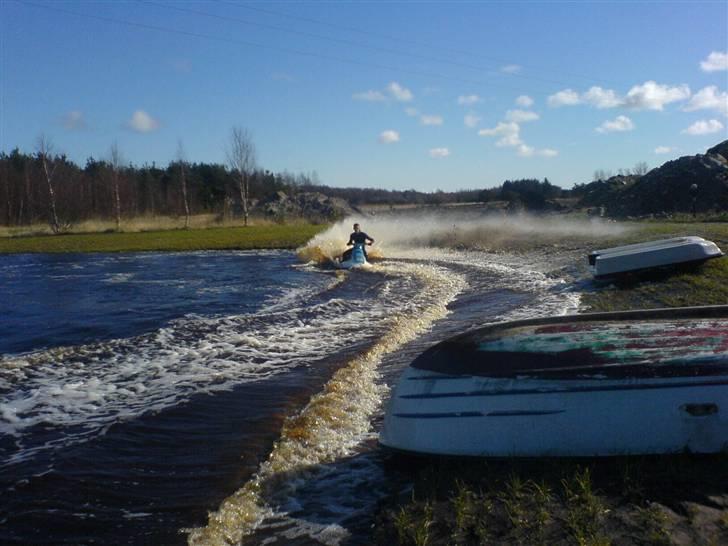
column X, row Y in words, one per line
column 424, row 95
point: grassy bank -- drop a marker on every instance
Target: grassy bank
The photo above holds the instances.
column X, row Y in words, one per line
column 132, row 225
column 226, row 238
column 638, row 500
column 659, row 500
column 704, row 285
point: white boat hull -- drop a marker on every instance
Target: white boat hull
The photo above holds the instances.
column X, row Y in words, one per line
column 566, row 418
column 641, row 382
column 610, row 262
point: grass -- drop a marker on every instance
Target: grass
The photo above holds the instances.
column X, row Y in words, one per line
column 592, row 502
column 130, row 225
column 585, row 509
column 588, row 502
column 704, row 285
column 221, row 238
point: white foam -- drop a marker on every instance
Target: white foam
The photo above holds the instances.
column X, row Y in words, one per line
column 338, row 418
column 93, row 386
column 317, row 436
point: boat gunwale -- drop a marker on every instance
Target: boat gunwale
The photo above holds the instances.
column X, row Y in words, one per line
column 426, row 361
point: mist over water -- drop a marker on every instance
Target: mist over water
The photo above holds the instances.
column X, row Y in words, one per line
column 311, row 353
column 452, row 228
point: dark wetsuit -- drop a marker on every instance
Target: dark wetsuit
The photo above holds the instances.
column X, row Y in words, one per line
column 357, row 237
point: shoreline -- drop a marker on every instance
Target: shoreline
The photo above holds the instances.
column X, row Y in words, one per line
column 255, row 237
column 679, row 499
column 633, row 500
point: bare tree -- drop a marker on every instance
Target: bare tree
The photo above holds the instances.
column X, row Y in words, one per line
column 641, row 168
column 45, row 154
column 182, row 164
column 601, row 174
column 115, row 161
column 241, row 158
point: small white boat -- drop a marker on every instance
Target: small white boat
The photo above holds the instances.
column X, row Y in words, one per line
column 620, row 260
column 356, row 259
column 607, row 384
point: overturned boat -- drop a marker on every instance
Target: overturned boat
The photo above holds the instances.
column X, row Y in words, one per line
column 603, row 384
column 628, row 259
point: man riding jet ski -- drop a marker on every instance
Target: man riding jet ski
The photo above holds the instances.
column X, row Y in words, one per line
column 357, row 255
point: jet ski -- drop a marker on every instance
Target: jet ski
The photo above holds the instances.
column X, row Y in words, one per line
column 355, row 259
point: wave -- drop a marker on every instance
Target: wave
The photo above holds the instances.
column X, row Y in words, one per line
column 87, row 388
column 314, row 444
column 336, row 419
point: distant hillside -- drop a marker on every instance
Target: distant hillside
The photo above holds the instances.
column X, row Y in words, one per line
column 666, row 189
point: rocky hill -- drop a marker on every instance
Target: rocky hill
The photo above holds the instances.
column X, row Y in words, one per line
column 666, row 189
column 312, row 206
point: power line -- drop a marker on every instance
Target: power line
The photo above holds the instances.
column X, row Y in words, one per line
column 410, row 41
column 285, row 50
column 390, row 51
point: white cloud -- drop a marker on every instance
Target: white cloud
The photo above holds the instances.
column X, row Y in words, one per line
column 471, row 120
column 399, row 93
column 653, row 96
column 704, row 127
column 468, row 100
column 510, row 138
column 601, row 98
column 525, row 151
column 74, row 121
column 521, row 116
column 431, row 120
column 647, row 96
column 508, row 131
column 619, row 124
column 530, row 151
column 393, row 91
column 567, row 97
column 511, row 68
column 547, row 152
column 141, row 122
column 388, row 137
column 709, row 98
column 439, row 153
column 525, row 101
column 716, row 61
column 664, row 150
column 412, row 112
column 370, row 96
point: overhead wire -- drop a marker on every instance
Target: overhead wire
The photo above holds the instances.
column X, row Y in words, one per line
column 489, row 70
column 287, row 50
column 408, row 41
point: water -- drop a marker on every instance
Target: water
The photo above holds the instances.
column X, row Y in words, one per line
column 141, row 392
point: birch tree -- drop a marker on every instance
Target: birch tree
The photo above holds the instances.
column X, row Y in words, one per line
column 182, row 165
column 115, row 162
column 49, row 163
column 241, row 158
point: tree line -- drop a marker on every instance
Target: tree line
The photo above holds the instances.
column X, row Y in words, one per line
column 47, row 187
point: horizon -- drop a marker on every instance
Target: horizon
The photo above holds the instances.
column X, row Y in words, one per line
column 371, row 95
